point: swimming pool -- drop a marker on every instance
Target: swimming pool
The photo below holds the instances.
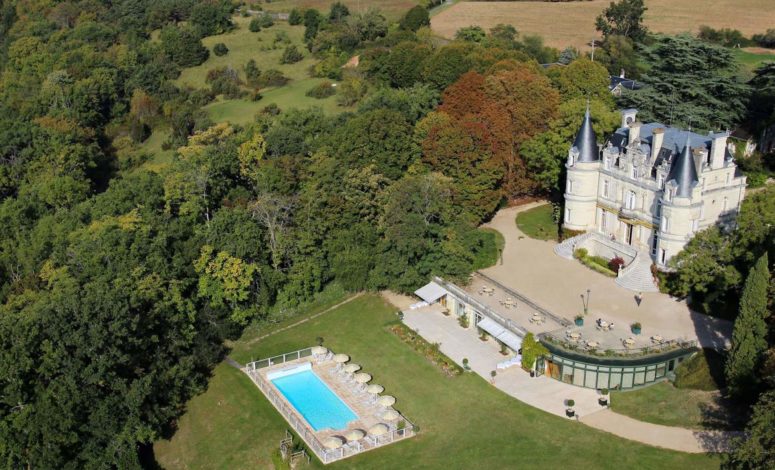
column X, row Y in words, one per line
column 312, row 398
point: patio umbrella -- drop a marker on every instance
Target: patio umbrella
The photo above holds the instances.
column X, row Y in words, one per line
column 352, row 367
column 378, row 429
column 341, row 358
column 355, row 435
column 362, row 377
column 386, row 400
column 333, row 442
column 319, row 350
column 375, row 389
column 390, row 415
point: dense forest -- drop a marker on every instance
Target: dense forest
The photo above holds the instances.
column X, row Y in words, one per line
column 119, row 281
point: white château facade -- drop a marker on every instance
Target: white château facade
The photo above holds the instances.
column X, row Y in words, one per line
column 651, row 186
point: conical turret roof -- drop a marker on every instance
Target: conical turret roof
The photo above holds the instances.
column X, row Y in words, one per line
column 683, row 171
column 586, row 141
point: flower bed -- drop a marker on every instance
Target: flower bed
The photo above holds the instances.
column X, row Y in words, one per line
column 430, row 351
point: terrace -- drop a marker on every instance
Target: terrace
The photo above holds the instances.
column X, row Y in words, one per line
column 377, row 423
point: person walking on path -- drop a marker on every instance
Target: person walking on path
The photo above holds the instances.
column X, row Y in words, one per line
column 639, row 298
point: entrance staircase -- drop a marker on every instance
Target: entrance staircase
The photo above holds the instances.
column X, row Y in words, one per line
column 565, row 249
column 637, row 275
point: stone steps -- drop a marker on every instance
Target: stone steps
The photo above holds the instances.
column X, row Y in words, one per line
column 638, row 277
column 565, row 249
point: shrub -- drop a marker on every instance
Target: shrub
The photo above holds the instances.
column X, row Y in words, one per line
column 321, row 90
column 463, row 320
column 271, row 110
column 295, row 18
column 570, row 403
column 255, row 25
column 265, row 21
column 272, row 77
column 580, row 253
column 351, row 90
column 531, row 350
column 636, row 326
column 615, row 264
column 504, row 349
column 224, row 81
column 291, row 55
column 220, row 49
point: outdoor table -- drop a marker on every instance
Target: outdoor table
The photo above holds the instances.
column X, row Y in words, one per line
column 592, row 344
column 629, row 341
column 575, row 335
column 656, row 338
column 603, row 324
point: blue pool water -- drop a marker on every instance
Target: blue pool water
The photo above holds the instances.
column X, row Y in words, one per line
column 320, row 406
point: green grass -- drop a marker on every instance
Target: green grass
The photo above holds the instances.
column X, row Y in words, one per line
column 703, row 371
column 393, row 10
column 665, row 404
column 492, row 246
column 538, row 223
column 464, row 422
column 752, row 60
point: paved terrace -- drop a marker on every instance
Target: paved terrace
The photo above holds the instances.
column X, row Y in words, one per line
column 547, row 394
column 533, row 269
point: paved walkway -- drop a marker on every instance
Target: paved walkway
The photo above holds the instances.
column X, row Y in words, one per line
column 533, row 269
column 549, row 395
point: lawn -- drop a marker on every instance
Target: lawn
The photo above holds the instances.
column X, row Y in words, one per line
column 573, row 23
column 663, row 403
column 538, row 223
column 464, row 422
column 752, row 57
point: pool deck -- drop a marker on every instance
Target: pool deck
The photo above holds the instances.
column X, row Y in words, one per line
column 352, row 394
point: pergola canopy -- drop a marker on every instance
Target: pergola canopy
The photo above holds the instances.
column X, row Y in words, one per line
column 430, row 292
column 501, row 334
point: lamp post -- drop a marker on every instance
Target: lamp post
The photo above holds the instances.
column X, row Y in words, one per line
column 585, row 302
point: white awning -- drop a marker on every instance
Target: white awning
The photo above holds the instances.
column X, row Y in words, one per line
column 430, row 292
column 500, row 333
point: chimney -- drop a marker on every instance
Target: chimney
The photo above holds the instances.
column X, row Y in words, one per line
column 718, row 150
column 621, row 73
column 629, row 116
column 634, row 132
column 658, row 136
column 699, row 158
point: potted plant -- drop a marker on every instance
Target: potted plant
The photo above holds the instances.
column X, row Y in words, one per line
column 603, row 400
column 569, row 411
column 463, row 320
column 579, row 320
column 483, row 335
column 635, row 327
column 465, row 364
column 504, row 350
column 492, row 376
column 445, row 312
column 319, row 340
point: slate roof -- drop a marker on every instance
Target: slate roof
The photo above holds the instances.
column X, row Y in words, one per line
column 627, row 83
column 586, row 141
column 683, row 170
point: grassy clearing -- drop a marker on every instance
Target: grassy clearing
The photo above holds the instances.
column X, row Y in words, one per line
column 665, row 404
column 538, row 223
column 244, row 45
column 392, row 9
column 752, row 57
column 573, row 24
column 465, row 422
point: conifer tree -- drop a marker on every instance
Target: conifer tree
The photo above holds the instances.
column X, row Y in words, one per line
column 749, row 338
